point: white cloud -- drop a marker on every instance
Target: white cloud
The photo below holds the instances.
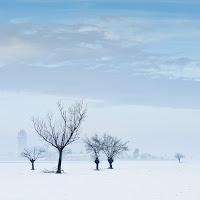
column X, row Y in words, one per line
column 15, row 49
column 111, row 36
column 106, row 43
column 21, row 20
column 90, row 45
column 87, row 29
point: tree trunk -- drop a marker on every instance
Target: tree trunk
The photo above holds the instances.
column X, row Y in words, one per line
column 97, row 166
column 110, row 165
column 32, row 162
column 59, row 162
column 97, row 163
column 110, row 160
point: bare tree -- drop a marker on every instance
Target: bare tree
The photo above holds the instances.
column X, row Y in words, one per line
column 63, row 131
column 94, row 146
column 113, row 147
column 179, row 156
column 33, row 154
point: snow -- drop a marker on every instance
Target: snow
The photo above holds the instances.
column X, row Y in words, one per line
column 139, row 180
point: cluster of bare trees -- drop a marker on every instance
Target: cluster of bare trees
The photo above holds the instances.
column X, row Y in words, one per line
column 109, row 145
column 64, row 129
column 60, row 131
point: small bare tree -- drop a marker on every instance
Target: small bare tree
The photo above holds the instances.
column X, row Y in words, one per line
column 179, row 156
column 63, row 131
column 33, row 154
column 94, row 146
column 113, row 147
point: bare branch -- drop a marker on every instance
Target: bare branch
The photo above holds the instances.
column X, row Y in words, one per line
column 93, row 145
column 64, row 131
column 27, row 154
column 33, row 154
column 113, row 146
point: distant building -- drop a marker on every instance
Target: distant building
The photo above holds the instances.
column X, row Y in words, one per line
column 22, row 141
column 69, row 151
column 136, row 154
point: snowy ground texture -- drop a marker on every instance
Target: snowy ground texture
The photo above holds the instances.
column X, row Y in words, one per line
column 138, row 180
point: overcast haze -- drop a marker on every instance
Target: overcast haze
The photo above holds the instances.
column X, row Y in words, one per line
column 135, row 63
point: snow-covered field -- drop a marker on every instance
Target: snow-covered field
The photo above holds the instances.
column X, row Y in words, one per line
column 137, row 180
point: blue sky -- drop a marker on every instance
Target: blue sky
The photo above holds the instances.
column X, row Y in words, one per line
column 154, row 44
column 45, row 10
column 141, row 56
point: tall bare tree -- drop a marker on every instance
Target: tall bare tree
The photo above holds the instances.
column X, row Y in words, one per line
column 94, row 146
column 179, row 156
column 113, row 147
column 62, row 131
column 33, row 154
